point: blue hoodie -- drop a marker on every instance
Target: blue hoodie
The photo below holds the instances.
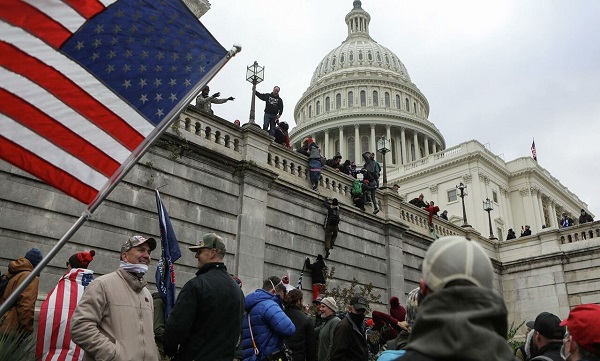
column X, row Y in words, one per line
column 270, row 325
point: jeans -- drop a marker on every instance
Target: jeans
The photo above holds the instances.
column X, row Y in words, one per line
column 269, row 121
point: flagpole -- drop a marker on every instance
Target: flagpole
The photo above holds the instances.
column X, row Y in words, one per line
column 115, row 179
column 38, row 269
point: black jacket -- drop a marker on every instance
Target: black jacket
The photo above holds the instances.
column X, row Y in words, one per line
column 585, row 218
column 418, row 203
column 302, row 343
column 317, row 269
column 273, row 103
column 207, row 319
column 551, row 350
column 349, row 342
column 460, row 323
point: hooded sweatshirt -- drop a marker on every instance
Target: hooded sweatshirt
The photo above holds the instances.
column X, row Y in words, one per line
column 20, row 316
column 461, row 323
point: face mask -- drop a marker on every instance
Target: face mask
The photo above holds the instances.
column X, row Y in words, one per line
column 134, row 268
column 357, row 318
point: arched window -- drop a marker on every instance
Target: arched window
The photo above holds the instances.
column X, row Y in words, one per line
column 378, row 57
column 387, row 60
column 327, row 104
column 364, row 146
column 415, row 107
column 393, row 151
column 387, row 99
column 342, row 58
column 369, row 55
column 351, row 56
column 338, row 101
column 350, row 99
column 309, row 111
column 360, row 55
column 397, row 101
column 318, row 108
column 375, row 98
column 407, row 105
column 351, row 146
column 333, row 62
column 363, row 98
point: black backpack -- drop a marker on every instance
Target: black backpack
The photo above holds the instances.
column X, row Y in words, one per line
column 333, row 218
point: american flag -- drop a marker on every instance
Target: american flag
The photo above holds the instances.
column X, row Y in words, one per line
column 54, row 335
column 86, row 86
column 533, row 153
column 165, row 271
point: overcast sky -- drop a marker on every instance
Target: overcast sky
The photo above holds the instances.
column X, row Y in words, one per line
column 501, row 72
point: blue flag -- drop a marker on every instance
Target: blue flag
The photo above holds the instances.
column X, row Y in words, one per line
column 165, row 272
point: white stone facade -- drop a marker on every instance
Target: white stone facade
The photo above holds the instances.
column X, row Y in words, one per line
column 361, row 92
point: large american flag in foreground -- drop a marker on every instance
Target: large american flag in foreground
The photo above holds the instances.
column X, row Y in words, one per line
column 54, row 328
column 87, row 85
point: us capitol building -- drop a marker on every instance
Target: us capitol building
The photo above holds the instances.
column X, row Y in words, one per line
column 361, row 91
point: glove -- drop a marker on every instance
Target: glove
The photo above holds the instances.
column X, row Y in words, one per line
column 216, row 95
column 231, row 98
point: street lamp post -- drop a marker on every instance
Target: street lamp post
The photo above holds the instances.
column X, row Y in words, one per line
column 463, row 193
column 254, row 74
column 488, row 206
column 383, row 146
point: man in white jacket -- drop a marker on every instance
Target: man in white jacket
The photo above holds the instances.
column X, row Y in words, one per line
column 115, row 315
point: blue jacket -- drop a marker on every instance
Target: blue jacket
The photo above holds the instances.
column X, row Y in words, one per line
column 270, row 325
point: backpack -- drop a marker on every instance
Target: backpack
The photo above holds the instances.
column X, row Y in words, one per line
column 4, row 279
column 333, row 218
column 356, row 188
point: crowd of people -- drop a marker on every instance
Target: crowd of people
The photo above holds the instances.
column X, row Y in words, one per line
column 454, row 314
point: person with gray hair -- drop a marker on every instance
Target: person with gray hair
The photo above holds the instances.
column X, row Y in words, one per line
column 115, row 315
column 461, row 316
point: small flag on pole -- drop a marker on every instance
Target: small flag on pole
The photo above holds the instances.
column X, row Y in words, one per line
column 87, row 86
column 299, row 286
column 533, row 153
column 165, row 271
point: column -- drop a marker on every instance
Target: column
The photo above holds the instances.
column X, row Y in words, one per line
column 388, row 136
column 403, row 145
column 553, row 221
column 434, row 145
column 326, row 147
column 342, row 142
column 426, row 146
column 541, row 207
column 416, row 143
column 357, row 142
column 372, row 141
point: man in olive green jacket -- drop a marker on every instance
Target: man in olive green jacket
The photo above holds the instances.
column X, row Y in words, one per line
column 327, row 309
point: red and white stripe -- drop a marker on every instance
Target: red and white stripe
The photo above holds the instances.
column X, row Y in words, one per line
column 57, row 121
column 54, row 336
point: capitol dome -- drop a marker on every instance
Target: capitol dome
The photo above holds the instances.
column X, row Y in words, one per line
column 361, row 92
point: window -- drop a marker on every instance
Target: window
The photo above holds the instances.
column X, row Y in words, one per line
column 452, row 195
column 363, row 98
column 333, row 62
column 338, row 101
column 387, row 99
column 364, row 146
column 378, row 57
column 412, row 151
column 342, row 58
column 407, row 105
column 351, row 56
column 369, row 55
column 393, row 151
column 350, row 99
column 415, row 107
column 351, row 146
column 336, row 146
column 397, row 101
column 327, row 104
column 310, row 111
column 360, row 55
column 495, row 196
column 375, row 99
column 318, row 108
